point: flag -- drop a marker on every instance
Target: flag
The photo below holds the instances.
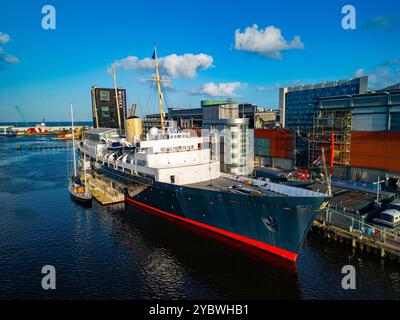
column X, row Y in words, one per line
column 154, row 55
column 317, row 162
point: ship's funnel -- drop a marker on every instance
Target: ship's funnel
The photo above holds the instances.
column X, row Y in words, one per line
column 133, row 129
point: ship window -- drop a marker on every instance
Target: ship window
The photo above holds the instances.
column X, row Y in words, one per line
column 172, row 179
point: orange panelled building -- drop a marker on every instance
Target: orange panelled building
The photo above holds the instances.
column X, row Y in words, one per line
column 280, row 142
column 375, row 150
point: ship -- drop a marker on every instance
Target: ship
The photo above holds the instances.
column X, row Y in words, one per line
column 78, row 190
column 176, row 174
column 7, row 132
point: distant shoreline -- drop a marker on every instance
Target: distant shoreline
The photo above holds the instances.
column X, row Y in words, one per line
column 49, row 123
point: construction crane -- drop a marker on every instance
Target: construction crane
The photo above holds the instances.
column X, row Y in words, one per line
column 22, row 116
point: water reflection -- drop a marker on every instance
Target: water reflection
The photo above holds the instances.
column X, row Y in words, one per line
column 177, row 260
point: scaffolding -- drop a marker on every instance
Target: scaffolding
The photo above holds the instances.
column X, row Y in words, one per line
column 327, row 122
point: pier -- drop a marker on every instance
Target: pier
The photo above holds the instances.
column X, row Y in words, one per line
column 359, row 235
column 347, row 219
column 44, row 146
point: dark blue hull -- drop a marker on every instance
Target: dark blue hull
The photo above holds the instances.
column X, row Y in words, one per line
column 277, row 224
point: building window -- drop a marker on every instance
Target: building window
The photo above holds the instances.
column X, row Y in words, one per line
column 105, row 112
column 261, row 147
column 104, row 96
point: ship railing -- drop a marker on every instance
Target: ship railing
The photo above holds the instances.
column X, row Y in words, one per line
column 276, row 187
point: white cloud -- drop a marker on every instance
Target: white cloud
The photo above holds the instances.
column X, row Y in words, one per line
column 174, row 66
column 4, row 56
column 134, row 63
column 10, row 59
column 166, row 83
column 268, row 42
column 381, row 76
column 185, row 65
column 4, row 38
column 223, row 89
column 359, row 73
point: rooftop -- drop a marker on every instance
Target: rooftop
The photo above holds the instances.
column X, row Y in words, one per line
column 101, row 130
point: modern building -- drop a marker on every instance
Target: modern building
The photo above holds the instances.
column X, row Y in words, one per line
column 299, row 105
column 186, row 118
column 366, row 135
column 193, row 118
column 245, row 110
column 152, row 121
column 104, row 108
column 236, row 139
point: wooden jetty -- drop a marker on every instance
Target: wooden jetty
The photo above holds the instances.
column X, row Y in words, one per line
column 104, row 193
column 43, row 146
column 386, row 244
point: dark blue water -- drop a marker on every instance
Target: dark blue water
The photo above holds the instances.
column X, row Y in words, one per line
column 113, row 252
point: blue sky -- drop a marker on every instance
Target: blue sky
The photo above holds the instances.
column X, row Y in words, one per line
column 42, row 71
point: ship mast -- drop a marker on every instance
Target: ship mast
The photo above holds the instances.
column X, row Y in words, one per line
column 73, row 139
column 116, row 97
column 160, row 95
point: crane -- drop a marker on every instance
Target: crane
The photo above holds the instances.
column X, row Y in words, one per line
column 22, row 115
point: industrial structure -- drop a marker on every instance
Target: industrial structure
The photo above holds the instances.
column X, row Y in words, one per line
column 274, row 148
column 366, row 135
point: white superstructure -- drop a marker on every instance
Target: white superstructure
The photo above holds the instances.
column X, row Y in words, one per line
column 170, row 157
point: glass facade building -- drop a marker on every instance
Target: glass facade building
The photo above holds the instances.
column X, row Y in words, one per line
column 299, row 105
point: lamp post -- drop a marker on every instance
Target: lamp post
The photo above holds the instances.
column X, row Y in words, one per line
column 378, row 189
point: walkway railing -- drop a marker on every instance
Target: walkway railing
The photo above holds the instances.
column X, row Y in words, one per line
column 352, row 223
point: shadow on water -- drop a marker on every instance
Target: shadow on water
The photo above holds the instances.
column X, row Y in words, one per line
column 182, row 257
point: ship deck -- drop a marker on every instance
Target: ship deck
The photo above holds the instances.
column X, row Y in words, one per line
column 228, row 185
column 255, row 187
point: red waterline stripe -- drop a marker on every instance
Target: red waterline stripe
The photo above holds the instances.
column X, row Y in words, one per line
column 258, row 244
